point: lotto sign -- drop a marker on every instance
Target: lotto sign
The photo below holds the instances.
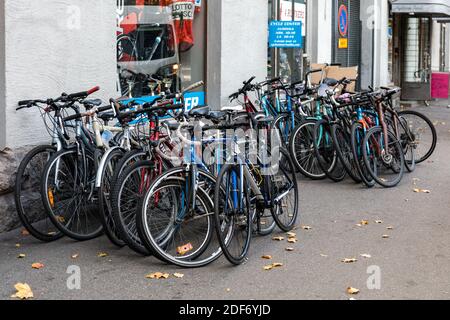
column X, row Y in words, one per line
column 285, row 34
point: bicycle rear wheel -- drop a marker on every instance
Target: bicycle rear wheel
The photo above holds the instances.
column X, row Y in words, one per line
column 386, row 164
column 342, row 145
column 28, row 196
column 357, row 139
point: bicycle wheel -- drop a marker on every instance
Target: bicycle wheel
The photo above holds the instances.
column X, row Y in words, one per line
column 233, row 214
column 357, row 138
column 127, row 193
column 407, row 143
column 129, row 158
column 325, row 152
column 285, row 193
column 173, row 230
column 69, row 194
column 105, row 198
column 386, row 164
column 301, row 147
column 285, row 124
column 424, row 134
column 342, row 145
column 28, row 196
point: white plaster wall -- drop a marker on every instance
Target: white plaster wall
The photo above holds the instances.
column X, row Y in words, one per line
column 237, row 46
column 435, row 46
column 319, row 33
column 374, row 43
column 55, row 46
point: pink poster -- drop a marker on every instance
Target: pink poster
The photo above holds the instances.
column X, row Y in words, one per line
column 439, row 85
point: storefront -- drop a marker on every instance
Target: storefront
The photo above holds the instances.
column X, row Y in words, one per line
column 419, row 45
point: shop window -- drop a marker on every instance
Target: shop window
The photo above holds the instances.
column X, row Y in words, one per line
column 287, row 63
column 160, row 45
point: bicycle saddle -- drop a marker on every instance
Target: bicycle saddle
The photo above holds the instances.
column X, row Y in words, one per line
column 93, row 102
column 217, row 116
column 233, row 108
column 330, row 82
column 200, row 111
column 106, row 116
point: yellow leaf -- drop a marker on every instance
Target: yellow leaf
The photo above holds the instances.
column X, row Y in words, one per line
column 37, row 265
column 185, row 249
column 61, row 219
column 378, row 221
column 102, row 255
column 158, row 275
column 349, row 260
column 25, row 232
column 228, row 290
column 18, row 245
column 292, row 240
column 23, row 291
column 306, row 228
column 75, row 256
column 268, row 268
column 390, row 228
column 364, row 222
column 266, row 257
column 386, row 236
column 324, row 255
column 351, row 290
column 278, row 238
column 178, row 275
column 277, row 265
column 21, row 256
column 291, row 234
column 422, row 191
column 290, row 249
column 365, row 255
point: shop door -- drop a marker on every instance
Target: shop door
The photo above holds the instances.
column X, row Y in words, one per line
column 416, row 53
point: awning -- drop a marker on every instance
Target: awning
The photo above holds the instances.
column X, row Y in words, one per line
column 436, row 8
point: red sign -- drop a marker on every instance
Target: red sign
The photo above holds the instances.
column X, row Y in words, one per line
column 343, row 20
column 440, row 85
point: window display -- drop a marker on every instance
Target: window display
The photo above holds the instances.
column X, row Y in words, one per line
column 154, row 42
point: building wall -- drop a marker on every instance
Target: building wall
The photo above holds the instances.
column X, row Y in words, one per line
column 2, row 76
column 237, row 46
column 319, row 37
column 54, row 47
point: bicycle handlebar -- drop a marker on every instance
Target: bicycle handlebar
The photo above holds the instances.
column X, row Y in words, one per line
column 83, row 94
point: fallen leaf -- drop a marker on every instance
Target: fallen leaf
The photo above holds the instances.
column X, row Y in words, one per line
column 278, row 238
column 306, row 227
column 52, row 233
column 228, row 290
column 324, row 255
column 349, row 260
column 185, row 249
column 364, row 223
column 366, row 255
column 37, row 265
column 292, row 240
column 25, row 232
column 268, row 268
column 277, row 265
column 18, row 245
column 290, row 249
column 158, row 275
column 386, row 236
column 102, row 255
column 23, row 291
column 422, row 191
column 21, row 256
column 390, row 228
column 267, row 257
column 351, row 290
column 178, row 275
column 291, row 234
column 379, row 222
column 61, row 219
column 75, row 256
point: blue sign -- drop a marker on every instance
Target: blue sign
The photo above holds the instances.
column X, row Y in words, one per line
column 194, row 99
column 343, row 20
column 285, row 34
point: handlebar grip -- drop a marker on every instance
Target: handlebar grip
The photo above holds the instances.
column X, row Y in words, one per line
column 24, row 103
column 93, row 90
column 249, row 81
column 194, row 86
